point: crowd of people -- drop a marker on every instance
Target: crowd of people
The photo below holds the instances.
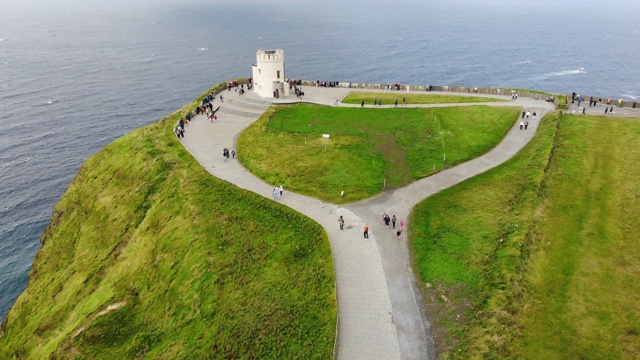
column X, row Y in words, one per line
column 524, row 125
column 277, row 192
column 389, row 223
column 226, row 153
column 322, row 83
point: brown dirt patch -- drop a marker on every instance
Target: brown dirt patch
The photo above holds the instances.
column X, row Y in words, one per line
column 397, row 171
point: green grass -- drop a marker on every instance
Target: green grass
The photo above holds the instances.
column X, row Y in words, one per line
column 390, row 98
column 367, row 147
column 537, row 259
column 191, row 266
column 585, row 288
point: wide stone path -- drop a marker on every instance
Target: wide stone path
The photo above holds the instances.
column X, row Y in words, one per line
column 380, row 316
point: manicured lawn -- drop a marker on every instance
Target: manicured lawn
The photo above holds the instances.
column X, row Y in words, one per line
column 367, row 148
column 538, row 258
column 390, row 97
column 149, row 256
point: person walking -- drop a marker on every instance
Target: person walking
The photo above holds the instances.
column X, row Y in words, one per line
column 401, row 224
column 398, row 233
column 281, row 189
column 393, row 221
column 341, row 222
column 387, row 220
column 366, row 232
column 526, row 125
column 233, row 154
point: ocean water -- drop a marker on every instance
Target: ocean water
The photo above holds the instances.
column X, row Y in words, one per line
column 75, row 75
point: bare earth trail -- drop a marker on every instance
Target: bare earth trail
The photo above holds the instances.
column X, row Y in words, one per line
column 380, row 316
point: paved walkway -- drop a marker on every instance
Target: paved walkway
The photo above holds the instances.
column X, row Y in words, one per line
column 380, row 316
column 599, row 110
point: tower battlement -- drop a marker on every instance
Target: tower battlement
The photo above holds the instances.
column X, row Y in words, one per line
column 270, row 55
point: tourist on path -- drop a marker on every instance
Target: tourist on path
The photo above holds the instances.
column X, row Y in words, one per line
column 526, row 125
column 366, row 232
column 398, row 233
column 387, row 220
column 281, row 189
column 393, row 221
column 341, row 222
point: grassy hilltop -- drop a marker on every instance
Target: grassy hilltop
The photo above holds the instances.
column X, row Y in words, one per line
column 367, row 147
column 149, row 256
column 538, row 258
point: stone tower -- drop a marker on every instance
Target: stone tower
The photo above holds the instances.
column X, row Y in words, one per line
column 268, row 74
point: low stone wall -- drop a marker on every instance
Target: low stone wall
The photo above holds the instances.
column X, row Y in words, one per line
column 458, row 89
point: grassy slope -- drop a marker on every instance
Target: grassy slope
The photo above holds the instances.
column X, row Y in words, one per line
column 536, row 258
column 196, row 267
column 367, row 146
column 584, row 285
column 391, row 97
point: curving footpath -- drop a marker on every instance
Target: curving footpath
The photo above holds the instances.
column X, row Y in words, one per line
column 380, row 316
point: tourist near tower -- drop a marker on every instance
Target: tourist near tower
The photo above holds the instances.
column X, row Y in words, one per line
column 268, row 74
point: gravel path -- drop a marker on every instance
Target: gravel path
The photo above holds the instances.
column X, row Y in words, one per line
column 380, row 316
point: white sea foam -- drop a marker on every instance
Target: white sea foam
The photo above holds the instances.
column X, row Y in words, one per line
column 202, row 49
column 563, row 73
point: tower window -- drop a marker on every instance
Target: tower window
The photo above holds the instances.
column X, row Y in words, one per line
column 278, row 74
